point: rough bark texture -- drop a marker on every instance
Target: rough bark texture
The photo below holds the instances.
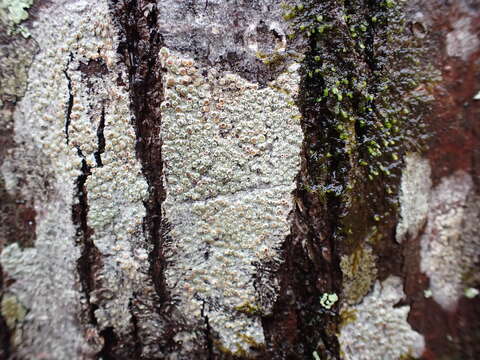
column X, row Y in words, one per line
column 212, row 179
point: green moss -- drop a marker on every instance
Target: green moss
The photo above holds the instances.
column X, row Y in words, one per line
column 407, row 356
column 278, row 59
column 366, row 85
column 12, row 311
column 364, row 103
column 240, row 353
column 347, row 316
column 359, row 274
column 248, row 309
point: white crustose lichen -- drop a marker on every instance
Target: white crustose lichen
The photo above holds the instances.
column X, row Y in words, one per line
column 231, row 154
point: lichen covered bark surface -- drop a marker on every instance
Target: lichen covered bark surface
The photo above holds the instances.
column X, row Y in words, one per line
column 81, row 281
column 231, row 154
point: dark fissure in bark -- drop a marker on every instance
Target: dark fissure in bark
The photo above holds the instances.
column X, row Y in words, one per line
column 137, row 341
column 101, row 139
column 70, row 98
column 111, row 341
column 139, row 46
column 299, row 324
column 90, row 258
column 208, row 334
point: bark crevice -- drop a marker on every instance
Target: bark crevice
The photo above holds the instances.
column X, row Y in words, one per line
column 90, row 258
column 140, row 45
column 208, row 334
column 70, row 99
column 100, row 139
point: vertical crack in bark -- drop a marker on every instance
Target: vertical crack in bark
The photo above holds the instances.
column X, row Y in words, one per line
column 70, row 98
column 136, row 335
column 208, row 333
column 111, row 340
column 90, row 258
column 140, row 46
column 101, row 139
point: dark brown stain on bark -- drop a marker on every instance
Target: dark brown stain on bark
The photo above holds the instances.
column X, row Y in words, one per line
column 17, row 218
column 93, row 68
column 454, row 122
column 448, row 335
column 454, row 145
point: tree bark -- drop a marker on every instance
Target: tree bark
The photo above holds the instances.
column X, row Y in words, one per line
column 211, row 179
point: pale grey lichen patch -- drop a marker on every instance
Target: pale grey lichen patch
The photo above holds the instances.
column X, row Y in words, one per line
column 450, row 246
column 15, row 59
column 45, row 284
column 12, row 13
column 231, row 154
column 414, row 196
column 380, row 329
column 449, row 243
column 116, row 191
column 462, row 40
column 56, row 122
